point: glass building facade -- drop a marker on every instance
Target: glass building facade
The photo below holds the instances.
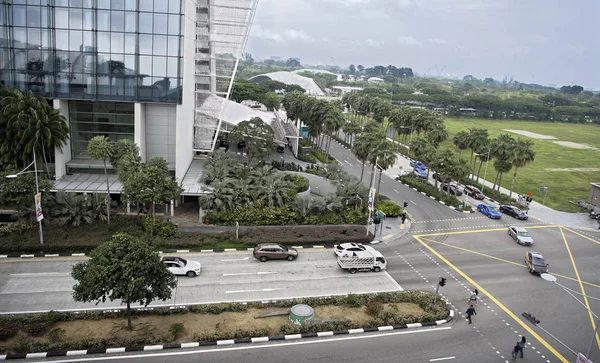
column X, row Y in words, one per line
column 126, row 50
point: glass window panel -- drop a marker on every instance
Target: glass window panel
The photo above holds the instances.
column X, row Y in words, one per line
column 130, row 44
column 33, row 16
column 19, row 2
column 75, row 18
column 172, row 67
column 131, row 5
column 130, row 22
column 88, row 41
column 76, row 3
column 103, row 42
column 87, row 4
column 88, row 19
column 145, row 44
column 89, row 63
column 145, row 23
column 159, row 66
column 75, row 40
column 103, row 20
column 45, row 38
column 174, row 6
column 146, row 5
column 129, row 61
column 62, row 39
column 160, row 6
column 117, row 41
column 34, row 37
column 61, row 2
column 33, row 2
column 61, row 17
column 103, row 63
column 117, row 4
column 117, row 21
column 44, row 17
column 160, row 23
column 160, row 45
column 145, row 66
column 173, row 46
column 104, row 4
column 173, row 25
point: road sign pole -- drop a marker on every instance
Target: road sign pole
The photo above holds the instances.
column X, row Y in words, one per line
column 545, row 194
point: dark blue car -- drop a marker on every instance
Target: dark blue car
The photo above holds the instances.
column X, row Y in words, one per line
column 489, row 211
column 418, row 165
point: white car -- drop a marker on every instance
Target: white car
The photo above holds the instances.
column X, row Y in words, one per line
column 348, row 249
column 180, row 266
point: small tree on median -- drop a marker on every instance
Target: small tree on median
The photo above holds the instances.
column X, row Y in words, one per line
column 125, row 269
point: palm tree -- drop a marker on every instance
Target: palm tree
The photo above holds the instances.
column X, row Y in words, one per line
column 437, row 134
column 351, row 128
column 523, row 155
column 461, row 141
column 275, row 192
column 100, row 148
column 260, row 174
column 74, row 209
column 387, row 154
column 242, row 191
column 220, row 197
column 361, row 150
column 502, row 166
column 478, row 138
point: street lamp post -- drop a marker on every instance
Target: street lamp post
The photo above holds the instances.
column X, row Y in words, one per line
column 37, row 191
column 486, row 166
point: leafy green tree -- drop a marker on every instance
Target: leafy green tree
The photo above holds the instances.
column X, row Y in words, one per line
column 76, row 209
column 293, row 63
column 258, row 136
column 125, row 269
column 20, row 193
column 247, row 90
column 523, row 155
column 100, row 148
column 152, row 184
column 271, row 101
column 352, row 69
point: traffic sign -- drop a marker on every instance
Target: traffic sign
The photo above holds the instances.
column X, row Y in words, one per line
column 380, row 214
column 542, row 189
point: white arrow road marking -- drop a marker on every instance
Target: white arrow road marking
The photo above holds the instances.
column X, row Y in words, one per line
column 251, row 273
column 413, row 202
column 396, row 191
column 259, row 290
column 40, row 273
column 439, row 359
column 236, row 259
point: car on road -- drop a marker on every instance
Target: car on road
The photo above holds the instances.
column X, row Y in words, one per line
column 536, row 263
column 274, row 251
column 348, row 249
column 489, row 211
column 513, row 212
column 439, row 178
column 520, row 235
column 473, row 192
column 182, row 267
column 453, row 189
column 421, row 173
column 418, row 165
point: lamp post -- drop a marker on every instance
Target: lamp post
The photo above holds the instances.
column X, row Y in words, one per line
column 552, row 278
column 38, row 204
column 486, row 166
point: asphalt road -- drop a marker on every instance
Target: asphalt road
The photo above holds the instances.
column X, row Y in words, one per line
column 45, row 283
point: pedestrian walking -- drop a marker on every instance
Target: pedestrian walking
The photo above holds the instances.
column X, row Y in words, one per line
column 474, row 297
column 515, row 351
column 522, row 345
column 470, row 311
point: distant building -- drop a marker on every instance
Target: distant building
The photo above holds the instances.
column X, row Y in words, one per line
column 275, row 57
column 375, row 80
column 344, row 89
column 309, row 85
column 595, row 195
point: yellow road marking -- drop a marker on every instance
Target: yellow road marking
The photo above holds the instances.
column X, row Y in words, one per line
column 388, row 236
column 503, row 260
column 479, row 231
column 497, row 302
column 581, row 235
column 587, row 304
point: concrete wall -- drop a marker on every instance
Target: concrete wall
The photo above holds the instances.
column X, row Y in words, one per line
column 161, row 121
column 62, row 156
column 140, row 128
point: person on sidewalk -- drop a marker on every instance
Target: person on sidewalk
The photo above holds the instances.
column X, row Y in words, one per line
column 522, row 345
column 470, row 311
column 515, row 351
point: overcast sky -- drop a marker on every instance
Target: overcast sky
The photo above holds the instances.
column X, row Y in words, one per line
column 541, row 41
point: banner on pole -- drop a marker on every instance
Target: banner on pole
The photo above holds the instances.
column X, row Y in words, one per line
column 39, row 214
column 371, row 198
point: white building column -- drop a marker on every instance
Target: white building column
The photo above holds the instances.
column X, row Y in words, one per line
column 140, row 128
column 62, row 156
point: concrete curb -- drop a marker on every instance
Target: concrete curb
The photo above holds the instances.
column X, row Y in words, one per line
column 36, row 255
column 71, row 353
column 439, row 201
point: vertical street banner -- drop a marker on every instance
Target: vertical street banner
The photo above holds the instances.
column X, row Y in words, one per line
column 39, row 214
column 371, row 198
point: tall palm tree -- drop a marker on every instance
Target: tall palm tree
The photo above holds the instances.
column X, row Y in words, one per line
column 386, row 155
column 100, row 148
column 523, row 155
column 275, row 192
column 478, row 138
column 361, row 150
column 461, row 141
column 502, row 166
column 437, row 134
column 219, row 199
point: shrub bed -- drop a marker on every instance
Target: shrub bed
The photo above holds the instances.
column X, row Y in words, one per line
column 423, row 186
column 273, row 216
column 492, row 194
column 389, row 207
column 30, row 333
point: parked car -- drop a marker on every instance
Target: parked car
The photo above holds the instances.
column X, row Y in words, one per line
column 520, row 235
column 513, row 212
column 280, row 149
column 439, row 178
column 489, row 211
column 181, row 267
column 418, row 165
column 453, row 189
column 274, row 251
column 473, row 192
column 536, row 263
column 348, row 249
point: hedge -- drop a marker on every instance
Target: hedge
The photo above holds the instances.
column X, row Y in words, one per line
column 272, row 216
column 422, row 186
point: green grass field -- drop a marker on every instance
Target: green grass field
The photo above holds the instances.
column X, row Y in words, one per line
column 563, row 186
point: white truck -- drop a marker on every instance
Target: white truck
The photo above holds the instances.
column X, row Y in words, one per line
column 363, row 260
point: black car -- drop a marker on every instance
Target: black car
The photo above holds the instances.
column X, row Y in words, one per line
column 453, row 189
column 513, row 212
column 439, row 178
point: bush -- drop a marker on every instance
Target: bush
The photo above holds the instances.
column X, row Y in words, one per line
column 323, row 157
column 299, row 183
column 285, row 166
column 423, row 186
column 238, row 334
column 162, row 228
column 374, row 308
column 275, row 216
column 176, row 330
column 388, row 207
column 56, row 335
column 308, row 158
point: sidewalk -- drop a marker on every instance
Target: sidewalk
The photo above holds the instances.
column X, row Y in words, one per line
column 392, row 229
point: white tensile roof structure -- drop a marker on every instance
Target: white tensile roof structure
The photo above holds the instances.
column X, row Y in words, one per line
column 308, row 84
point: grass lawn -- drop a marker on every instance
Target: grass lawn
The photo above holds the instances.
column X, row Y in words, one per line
column 563, row 186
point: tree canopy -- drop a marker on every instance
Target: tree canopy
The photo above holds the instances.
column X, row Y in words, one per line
column 257, row 135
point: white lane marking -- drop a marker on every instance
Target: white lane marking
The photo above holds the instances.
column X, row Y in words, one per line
column 248, row 347
column 438, row 359
column 251, row 273
column 259, row 290
column 396, row 191
column 40, row 273
column 347, row 162
column 236, row 259
column 413, row 202
column 393, row 281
